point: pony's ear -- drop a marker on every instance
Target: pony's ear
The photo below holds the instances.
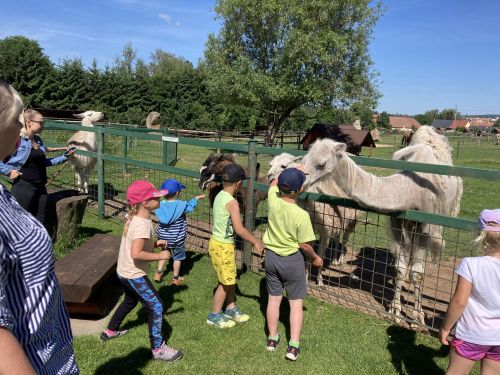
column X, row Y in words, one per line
column 79, row 115
column 340, row 147
column 297, row 158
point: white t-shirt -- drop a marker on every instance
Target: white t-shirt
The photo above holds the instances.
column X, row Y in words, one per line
column 480, row 321
column 127, row 267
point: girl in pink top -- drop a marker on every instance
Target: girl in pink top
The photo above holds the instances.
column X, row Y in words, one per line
column 475, row 306
column 136, row 251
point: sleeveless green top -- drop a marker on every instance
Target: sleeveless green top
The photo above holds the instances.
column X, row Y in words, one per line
column 222, row 229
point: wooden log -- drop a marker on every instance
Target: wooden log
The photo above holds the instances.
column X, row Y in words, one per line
column 65, row 213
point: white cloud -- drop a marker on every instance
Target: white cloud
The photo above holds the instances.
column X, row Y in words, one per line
column 165, row 17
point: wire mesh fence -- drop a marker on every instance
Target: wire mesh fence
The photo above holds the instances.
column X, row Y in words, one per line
column 360, row 266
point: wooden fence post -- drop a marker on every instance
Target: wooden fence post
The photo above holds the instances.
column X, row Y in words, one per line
column 250, row 203
column 100, row 172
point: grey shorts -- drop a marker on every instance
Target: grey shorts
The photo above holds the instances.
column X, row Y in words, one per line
column 286, row 272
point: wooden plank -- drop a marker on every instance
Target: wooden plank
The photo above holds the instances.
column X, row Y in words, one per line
column 84, row 270
column 101, row 302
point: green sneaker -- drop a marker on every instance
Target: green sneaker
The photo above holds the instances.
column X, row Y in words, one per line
column 220, row 321
column 236, row 315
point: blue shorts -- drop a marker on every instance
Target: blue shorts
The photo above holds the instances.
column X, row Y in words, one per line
column 178, row 252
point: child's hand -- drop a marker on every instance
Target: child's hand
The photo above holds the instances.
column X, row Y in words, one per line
column 200, row 196
column 164, row 255
column 259, row 246
column 161, row 244
column 317, row 262
column 443, row 336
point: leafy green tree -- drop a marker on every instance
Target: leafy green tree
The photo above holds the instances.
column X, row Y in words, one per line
column 166, row 64
column 383, row 120
column 276, row 56
column 449, row 114
column 26, row 67
column 428, row 117
column 73, row 90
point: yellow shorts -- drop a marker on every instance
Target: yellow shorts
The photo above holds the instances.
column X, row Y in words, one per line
column 223, row 260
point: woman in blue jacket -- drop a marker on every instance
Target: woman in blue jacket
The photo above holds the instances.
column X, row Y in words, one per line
column 27, row 167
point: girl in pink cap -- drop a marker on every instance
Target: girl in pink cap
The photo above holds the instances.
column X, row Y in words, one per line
column 475, row 306
column 136, row 253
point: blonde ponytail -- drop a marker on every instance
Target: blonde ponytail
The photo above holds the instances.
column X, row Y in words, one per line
column 129, row 216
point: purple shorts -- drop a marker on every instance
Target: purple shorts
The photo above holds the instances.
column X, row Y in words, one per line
column 476, row 352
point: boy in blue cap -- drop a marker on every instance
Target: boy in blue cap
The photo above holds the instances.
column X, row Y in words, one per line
column 286, row 241
column 173, row 226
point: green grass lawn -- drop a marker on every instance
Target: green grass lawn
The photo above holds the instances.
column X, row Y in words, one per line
column 334, row 340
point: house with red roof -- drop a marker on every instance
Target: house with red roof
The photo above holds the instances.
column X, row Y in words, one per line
column 401, row 122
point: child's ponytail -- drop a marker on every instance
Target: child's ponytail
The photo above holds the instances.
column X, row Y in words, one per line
column 129, row 216
column 488, row 240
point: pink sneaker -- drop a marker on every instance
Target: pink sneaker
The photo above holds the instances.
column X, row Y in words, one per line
column 167, row 353
column 108, row 334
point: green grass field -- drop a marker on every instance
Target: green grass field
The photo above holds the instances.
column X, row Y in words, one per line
column 334, row 340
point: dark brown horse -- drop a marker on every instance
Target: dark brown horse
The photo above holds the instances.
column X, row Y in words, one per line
column 210, row 172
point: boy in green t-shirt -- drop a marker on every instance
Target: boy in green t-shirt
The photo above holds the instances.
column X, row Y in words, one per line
column 289, row 231
column 227, row 221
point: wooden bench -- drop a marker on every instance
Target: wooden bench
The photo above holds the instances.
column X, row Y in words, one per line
column 88, row 276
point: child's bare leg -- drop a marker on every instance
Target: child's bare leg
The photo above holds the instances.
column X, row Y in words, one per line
column 230, row 297
column 176, row 268
column 458, row 364
column 490, row 367
column 296, row 316
column 161, row 265
column 273, row 314
column 159, row 272
column 219, row 298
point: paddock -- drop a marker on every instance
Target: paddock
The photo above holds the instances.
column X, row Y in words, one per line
column 364, row 282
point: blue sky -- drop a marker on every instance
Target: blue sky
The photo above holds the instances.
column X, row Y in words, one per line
column 429, row 53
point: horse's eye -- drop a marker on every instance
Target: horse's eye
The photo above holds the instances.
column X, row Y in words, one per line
column 321, row 165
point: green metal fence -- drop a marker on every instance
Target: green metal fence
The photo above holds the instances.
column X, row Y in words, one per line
column 364, row 281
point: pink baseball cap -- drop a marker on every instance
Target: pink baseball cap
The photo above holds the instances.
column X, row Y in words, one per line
column 142, row 190
column 489, row 216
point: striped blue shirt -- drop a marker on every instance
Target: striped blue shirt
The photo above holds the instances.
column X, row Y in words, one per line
column 31, row 303
column 173, row 223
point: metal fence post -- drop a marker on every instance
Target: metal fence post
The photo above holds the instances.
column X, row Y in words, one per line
column 124, row 153
column 100, row 171
column 250, row 203
column 165, row 148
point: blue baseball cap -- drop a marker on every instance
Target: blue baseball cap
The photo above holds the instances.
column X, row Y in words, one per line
column 172, row 185
column 291, row 180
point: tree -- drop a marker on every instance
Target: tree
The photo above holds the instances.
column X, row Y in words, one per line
column 428, row 117
column 384, row 121
column 276, row 56
column 167, row 64
column 449, row 114
column 26, row 67
column 72, row 90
